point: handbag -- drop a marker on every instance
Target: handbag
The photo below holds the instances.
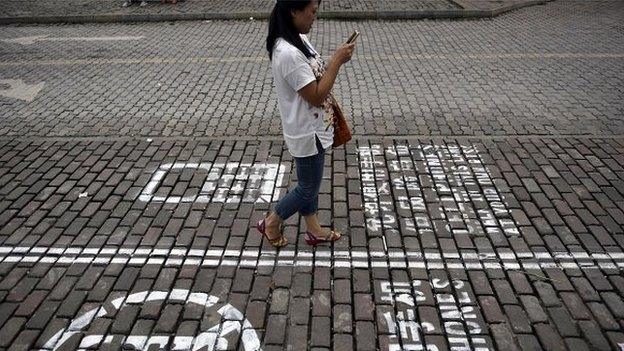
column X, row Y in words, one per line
column 342, row 133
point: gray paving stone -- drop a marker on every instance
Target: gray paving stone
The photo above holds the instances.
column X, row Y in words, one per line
column 25, row 340
column 342, row 319
column 518, row 319
column 71, row 304
column 300, row 311
column 491, row 309
column 563, row 322
column 321, row 303
column 603, row 316
column 365, row 335
column 549, row 337
column 44, row 313
column 533, row 308
column 342, row 291
column 547, row 295
column 168, row 317
column 343, row 342
column 575, row 306
column 302, row 285
column 320, row 332
column 276, row 329
column 592, row 334
column 504, row 292
column 529, row 342
column 503, row 337
column 298, row 337
column 577, row 344
column 10, row 330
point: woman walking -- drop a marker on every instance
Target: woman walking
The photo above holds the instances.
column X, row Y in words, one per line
column 306, row 123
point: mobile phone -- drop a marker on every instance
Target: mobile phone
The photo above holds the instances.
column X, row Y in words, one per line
column 353, row 37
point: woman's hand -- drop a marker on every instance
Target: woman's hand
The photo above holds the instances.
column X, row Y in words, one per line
column 343, row 53
column 316, row 92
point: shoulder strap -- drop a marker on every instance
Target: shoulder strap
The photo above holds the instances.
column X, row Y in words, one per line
column 309, row 46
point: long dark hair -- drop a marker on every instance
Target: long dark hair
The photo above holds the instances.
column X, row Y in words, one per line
column 281, row 25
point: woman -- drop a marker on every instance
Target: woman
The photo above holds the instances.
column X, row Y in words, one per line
column 302, row 103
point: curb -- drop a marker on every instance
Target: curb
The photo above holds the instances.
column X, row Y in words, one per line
column 464, row 13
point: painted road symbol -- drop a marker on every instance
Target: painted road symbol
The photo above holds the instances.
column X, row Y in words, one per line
column 230, row 182
column 18, row 89
column 232, row 322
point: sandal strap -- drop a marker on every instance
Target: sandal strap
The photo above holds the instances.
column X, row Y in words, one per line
column 279, row 241
column 334, row 235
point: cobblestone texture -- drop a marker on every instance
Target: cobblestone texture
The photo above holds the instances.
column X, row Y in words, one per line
column 13, row 8
column 114, row 234
column 471, row 285
column 546, row 70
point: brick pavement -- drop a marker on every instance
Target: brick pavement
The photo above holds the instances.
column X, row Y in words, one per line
column 119, row 231
column 495, row 77
column 82, row 11
column 478, row 243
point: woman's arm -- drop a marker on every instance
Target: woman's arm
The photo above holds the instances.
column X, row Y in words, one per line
column 316, row 92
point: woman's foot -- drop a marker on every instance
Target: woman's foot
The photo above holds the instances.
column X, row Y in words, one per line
column 316, row 234
column 313, row 240
column 270, row 228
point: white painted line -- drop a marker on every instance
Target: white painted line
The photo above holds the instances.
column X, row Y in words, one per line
column 37, row 38
column 179, row 256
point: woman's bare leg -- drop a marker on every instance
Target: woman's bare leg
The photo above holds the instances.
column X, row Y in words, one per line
column 273, row 223
column 314, row 227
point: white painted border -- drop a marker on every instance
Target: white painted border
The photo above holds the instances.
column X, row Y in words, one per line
column 269, row 189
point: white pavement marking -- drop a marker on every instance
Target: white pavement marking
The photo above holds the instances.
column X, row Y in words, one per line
column 33, row 39
column 348, row 259
column 232, row 321
column 19, row 90
column 230, row 182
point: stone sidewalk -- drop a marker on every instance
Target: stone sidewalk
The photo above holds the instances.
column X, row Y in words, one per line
column 81, row 11
column 450, row 243
column 485, row 213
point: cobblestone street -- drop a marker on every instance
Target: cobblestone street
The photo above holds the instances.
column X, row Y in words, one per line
column 482, row 198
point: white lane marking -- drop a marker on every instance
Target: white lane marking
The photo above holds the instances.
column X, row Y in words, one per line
column 18, row 89
column 180, row 256
column 38, row 38
column 230, row 182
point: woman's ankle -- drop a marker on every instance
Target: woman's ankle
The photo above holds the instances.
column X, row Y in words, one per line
column 312, row 223
column 273, row 220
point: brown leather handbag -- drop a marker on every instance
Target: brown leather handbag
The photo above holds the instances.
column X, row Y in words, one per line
column 342, row 133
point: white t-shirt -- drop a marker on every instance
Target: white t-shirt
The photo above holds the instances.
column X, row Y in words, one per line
column 301, row 122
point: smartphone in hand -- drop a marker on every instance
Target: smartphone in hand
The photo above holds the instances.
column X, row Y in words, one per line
column 353, row 36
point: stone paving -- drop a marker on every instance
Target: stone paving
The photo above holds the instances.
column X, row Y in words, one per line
column 533, row 72
column 58, row 11
column 482, row 198
column 450, row 243
column 29, row 7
